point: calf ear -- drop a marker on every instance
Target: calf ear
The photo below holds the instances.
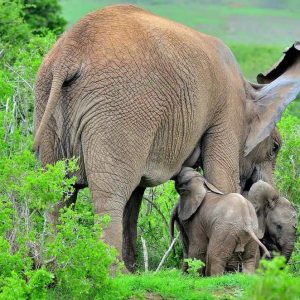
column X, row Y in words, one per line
column 191, row 196
column 262, row 196
column 212, row 188
column 276, row 89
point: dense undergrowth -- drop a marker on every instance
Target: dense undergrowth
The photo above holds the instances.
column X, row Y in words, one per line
column 37, row 263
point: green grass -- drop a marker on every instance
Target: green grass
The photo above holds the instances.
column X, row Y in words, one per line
column 175, row 285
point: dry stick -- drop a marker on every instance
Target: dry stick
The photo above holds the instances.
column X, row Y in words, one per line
column 19, row 75
column 158, row 210
column 145, row 252
column 167, row 253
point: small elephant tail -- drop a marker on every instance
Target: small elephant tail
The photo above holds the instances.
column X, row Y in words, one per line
column 60, row 75
column 252, row 234
column 174, row 218
column 54, row 96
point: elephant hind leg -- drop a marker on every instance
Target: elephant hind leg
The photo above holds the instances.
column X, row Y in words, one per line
column 219, row 252
column 130, row 218
column 250, row 257
column 111, row 190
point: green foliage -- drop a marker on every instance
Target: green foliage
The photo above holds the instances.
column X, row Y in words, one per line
column 16, row 90
column 41, row 14
column 82, row 261
column 32, row 256
column 153, row 225
column 194, row 266
column 13, row 29
column 274, row 282
column 288, row 161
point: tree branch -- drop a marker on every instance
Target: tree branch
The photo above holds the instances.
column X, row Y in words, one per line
column 145, row 252
column 167, row 253
column 158, row 210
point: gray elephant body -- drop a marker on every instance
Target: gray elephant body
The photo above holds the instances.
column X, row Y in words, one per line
column 277, row 218
column 215, row 227
column 133, row 95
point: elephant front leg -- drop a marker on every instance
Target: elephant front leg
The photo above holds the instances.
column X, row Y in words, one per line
column 130, row 218
column 197, row 248
column 220, row 158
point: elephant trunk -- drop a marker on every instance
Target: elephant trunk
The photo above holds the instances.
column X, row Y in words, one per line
column 287, row 250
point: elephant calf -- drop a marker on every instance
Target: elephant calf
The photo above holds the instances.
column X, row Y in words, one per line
column 277, row 218
column 277, row 221
column 214, row 226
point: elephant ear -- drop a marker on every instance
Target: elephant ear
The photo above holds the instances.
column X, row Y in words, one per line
column 276, row 89
column 212, row 188
column 262, row 196
column 191, row 196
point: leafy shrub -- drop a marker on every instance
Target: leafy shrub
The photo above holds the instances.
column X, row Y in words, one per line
column 32, row 255
column 274, row 282
column 288, row 161
column 194, row 265
column 44, row 14
column 153, row 226
column 13, row 29
column 82, row 261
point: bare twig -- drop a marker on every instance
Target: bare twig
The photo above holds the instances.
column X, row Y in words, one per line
column 20, row 76
column 145, row 252
column 49, row 261
column 167, row 253
column 158, row 210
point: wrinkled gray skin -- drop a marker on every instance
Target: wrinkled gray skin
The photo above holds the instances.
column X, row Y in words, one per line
column 277, row 218
column 132, row 95
column 214, row 226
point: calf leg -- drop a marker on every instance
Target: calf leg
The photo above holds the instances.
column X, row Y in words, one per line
column 219, row 252
column 250, row 257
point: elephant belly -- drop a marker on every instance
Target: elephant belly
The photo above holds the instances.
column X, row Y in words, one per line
column 164, row 165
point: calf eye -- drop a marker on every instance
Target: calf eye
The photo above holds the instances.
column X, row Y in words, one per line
column 279, row 227
column 275, row 148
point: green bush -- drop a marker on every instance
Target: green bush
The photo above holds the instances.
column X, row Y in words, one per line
column 73, row 258
column 82, row 261
column 274, row 282
column 41, row 14
column 288, row 162
column 153, row 226
column 13, row 29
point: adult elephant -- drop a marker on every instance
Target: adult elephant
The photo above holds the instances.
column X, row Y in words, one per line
column 133, row 94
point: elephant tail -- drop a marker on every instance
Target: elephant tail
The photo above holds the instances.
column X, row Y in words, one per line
column 57, row 82
column 252, row 234
column 174, row 218
column 60, row 75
